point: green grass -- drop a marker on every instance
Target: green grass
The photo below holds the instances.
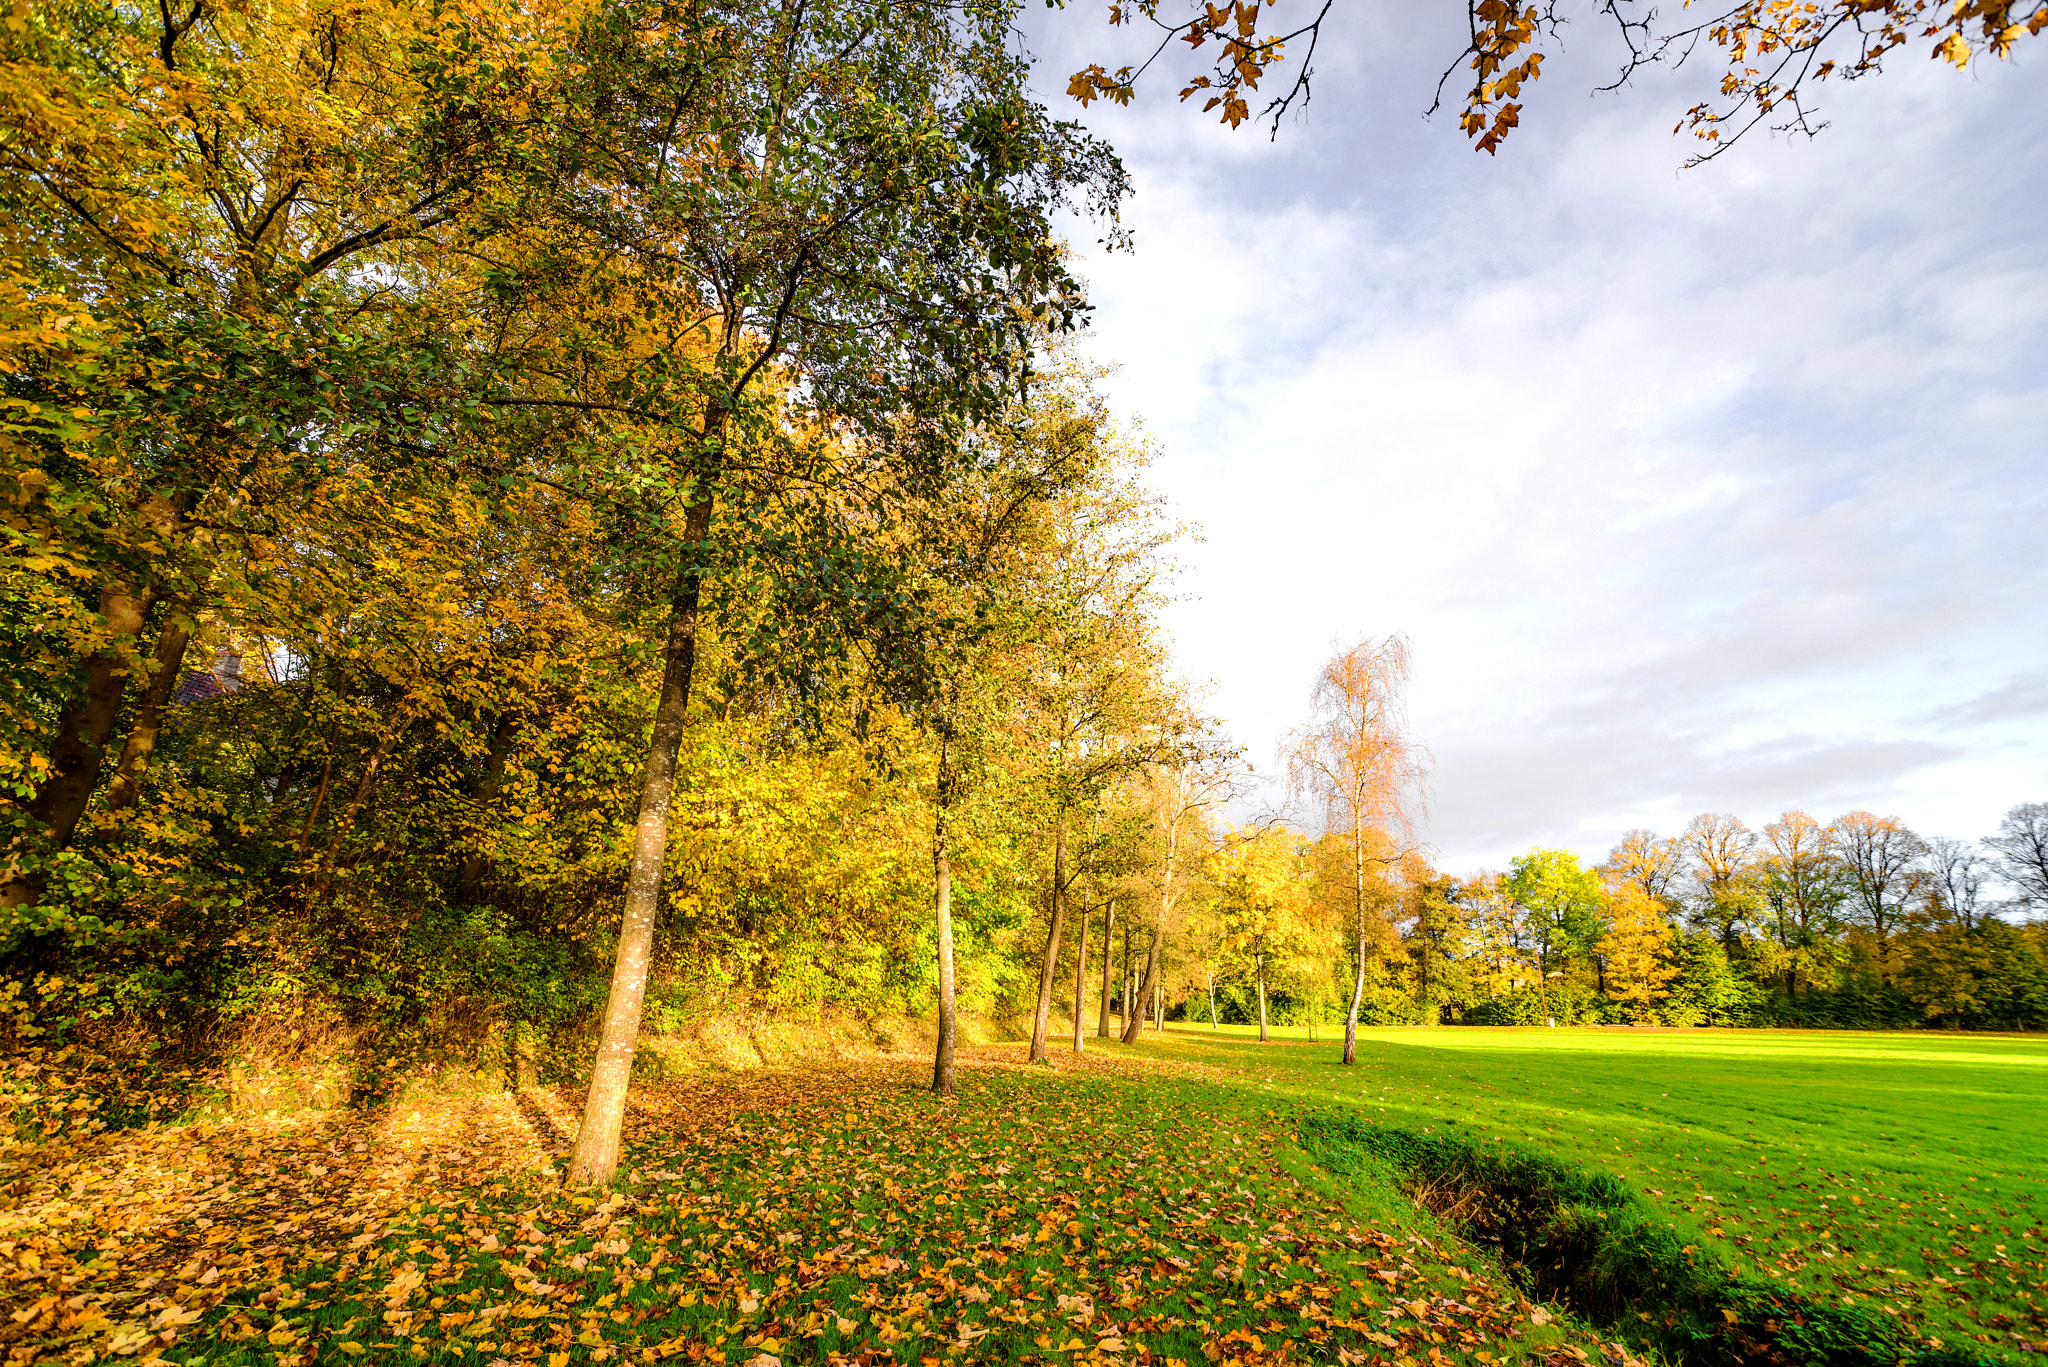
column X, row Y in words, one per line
column 1909, row 1170
column 1142, row 1206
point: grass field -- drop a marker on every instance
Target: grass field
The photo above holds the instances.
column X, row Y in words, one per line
column 1910, row 1168
column 1143, row 1206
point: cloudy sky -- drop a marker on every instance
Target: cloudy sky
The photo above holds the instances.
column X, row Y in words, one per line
column 1695, row 490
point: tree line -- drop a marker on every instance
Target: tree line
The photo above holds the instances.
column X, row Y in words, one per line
column 1345, row 919
column 1857, row 922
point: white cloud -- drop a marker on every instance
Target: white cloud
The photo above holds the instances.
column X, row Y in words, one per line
column 1714, row 490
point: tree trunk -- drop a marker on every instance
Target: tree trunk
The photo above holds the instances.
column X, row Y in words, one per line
column 942, row 874
column 165, row 671
column 401, row 722
column 1108, row 965
column 1124, row 986
column 1159, row 1003
column 1042, row 1017
column 1080, row 978
column 488, row 783
column 1259, row 970
column 1135, row 1020
column 1358, row 905
column 1357, row 997
column 319, row 799
column 1209, row 977
column 596, row 1158
column 80, row 746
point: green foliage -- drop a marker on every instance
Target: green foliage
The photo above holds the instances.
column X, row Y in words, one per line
column 1707, row 990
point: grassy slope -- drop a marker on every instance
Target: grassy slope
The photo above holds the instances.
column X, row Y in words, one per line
column 1911, row 1168
column 1114, row 1210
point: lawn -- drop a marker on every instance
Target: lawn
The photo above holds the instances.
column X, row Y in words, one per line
column 1145, row 1205
column 1911, row 1168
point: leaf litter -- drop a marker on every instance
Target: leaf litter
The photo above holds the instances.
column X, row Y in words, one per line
column 1084, row 1214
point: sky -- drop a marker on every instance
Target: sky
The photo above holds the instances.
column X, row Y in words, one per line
column 1694, row 490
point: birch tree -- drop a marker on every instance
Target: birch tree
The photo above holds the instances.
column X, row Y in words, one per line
column 1358, row 761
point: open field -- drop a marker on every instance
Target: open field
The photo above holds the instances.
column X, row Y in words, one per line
column 1911, row 1168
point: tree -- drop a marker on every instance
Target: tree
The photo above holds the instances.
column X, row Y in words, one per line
column 1438, row 938
column 1649, row 861
column 981, row 542
column 860, row 153
column 1878, row 857
column 1562, row 903
column 1775, row 52
column 2021, row 851
column 244, row 239
column 1180, row 795
column 1720, row 854
column 1956, row 871
column 1264, row 902
column 1801, row 881
column 1637, row 946
column 1706, row 990
column 1359, row 762
column 1098, row 699
column 1496, row 934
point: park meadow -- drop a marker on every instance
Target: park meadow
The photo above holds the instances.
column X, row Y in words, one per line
column 1198, row 1196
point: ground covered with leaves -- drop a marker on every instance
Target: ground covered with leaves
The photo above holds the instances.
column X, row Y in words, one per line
column 1120, row 1208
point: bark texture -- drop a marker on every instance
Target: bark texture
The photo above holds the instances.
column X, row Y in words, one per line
column 1080, row 980
column 596, row 1157
column 1108, row 966
column 942, row 879
column 166, row 668
column 79, row 749
column 1134, row 1021
column 1042, row 1016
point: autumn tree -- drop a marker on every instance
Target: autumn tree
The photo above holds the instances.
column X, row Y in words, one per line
column 1800, row 877
column 1357, row 760
column 1096, row 698
column 1438, row 936
column 1777, row 55
column 1178, row 796
column 1636, row 945
column 240, row 241
column 1494, row 926
column 1265, row 904
column 1879, row 856
column 1562, row 903
column 954, row 663
column 1720, row 858
column 1649, row 861
column 860, row 151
